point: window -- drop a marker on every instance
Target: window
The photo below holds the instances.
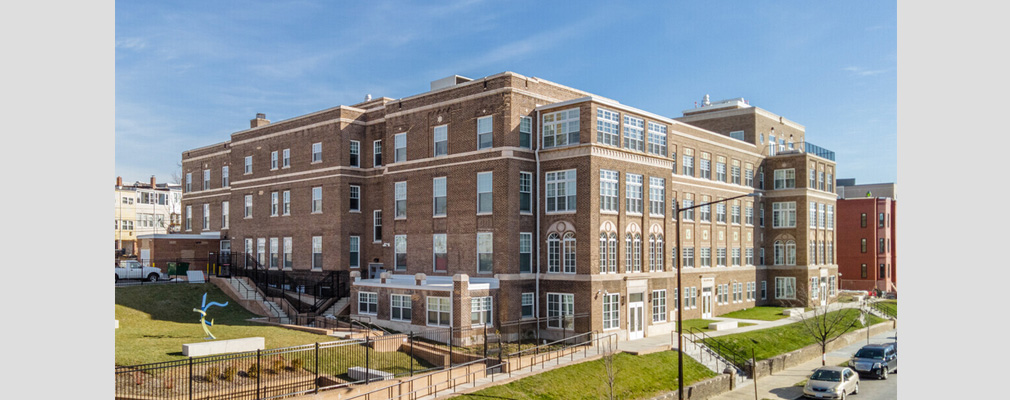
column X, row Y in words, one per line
column 400, row 147
column 189, row 218
column 633, row 193
column 785, row 252
column 612, row 253
column 831, row 183
column 287, row 253
column 832, row 286
column 399, row 307
column 689, row 257
column 224, row 215
column 526, row 132
column 189, row 183
column 400, row 252
column 485, row 252
column 440, row 255
column 611, row 311
column 830, row 253
column 248, row 165
column 560, row 306
column 735, row 213
column 224, row 177
column 820, row 180
column 657, row 139
column 607, row 127
column 705, row 212
column 286, row 158
column 880, row 245
column 526, row 303
column 376, row 153
column 376, row 226
column 274, row 205
column 441, row 141
column 820, row 216
column 355, row 149
column 720, row 257
column 561, row 253
column 603, row 253
column 560, row 191
column 439, row 311
column 608, row 190
column 862, row 245
column 317, row 199
column 749, row 256
column 814, row 287
column 831, row 217
column 633, row 250
column 400, row 205
column 569, row 253
column 656, row 253
column 273, row 160
column 880, row 220
column 317, row 152
column 735, row 260
column 206, row 217
column 883, row 272
column 206, row 180
column 286, row 202
column 734, row 173
column 688, row 162
column 317, row 252
column 764, row 290
column 862, row 271
column 561, row 128
column 785, row 179
column 705, row 167
column 812, row 256
column 484, row 193
column 720, row 213
column 785, row 288
column 525, row 252
column 657, row 196
column 525, row 192
column 368, row 303
column 353, row 253
column 274, row 253
column 706, row 256
column 686, row 205
column 248, row 206
column 720, row 170
column 355, row 196
column 261, row 251
column 480, row 310
column 813, row 215
column 748, row 176
column 659, row 305
column 784, row 215
column 438, row 197
column 634, row 133
column 484, row 136
column 812, row 174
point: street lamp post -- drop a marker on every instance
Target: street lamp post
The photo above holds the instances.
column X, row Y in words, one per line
column 680, row 292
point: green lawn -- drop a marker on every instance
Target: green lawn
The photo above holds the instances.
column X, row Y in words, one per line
column 763, row 313
column 637, row 377
column 702, row 324
column 783, row 339
column 891, row 305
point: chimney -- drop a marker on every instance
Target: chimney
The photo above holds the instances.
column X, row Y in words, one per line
column 119, row 181
column 152, row 182
column 260, row 120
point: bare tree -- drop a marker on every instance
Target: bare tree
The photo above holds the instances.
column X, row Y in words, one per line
column 826, row 323
column 609, row 372
column 177, row 174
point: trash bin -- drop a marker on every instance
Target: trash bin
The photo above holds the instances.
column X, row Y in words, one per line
column 182, row 268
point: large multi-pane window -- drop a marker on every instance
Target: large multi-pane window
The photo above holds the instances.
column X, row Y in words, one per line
column 634, row 133
column 561, row 252
column 189, row 182
column 705, row 256
column 526, row 302
column 560, row 308
column 608, row 125
column 656, row 253
column 688, row 164
column 705, row 167
column 317, row 199
column 484, row 136
column 633, row 193
column 749, row 256
column 657, row 139
column 735, row 257
column 734, row 173
column 480, row 310
column 812, row 215
column 720, row 170
column 400, row 147
column 317, row 252
column 399, row 307
column 734, row 212
column 784, row 215
column 400, row 200
column 484, row 193
column 785, row 288
column 611, row 311
column 659, row 305
column 525, row 192
column 657, row 196
column 440, row 253
column 560, row 190
column 784, row 252
column 748, row 176
column 720, row 257
column 485, row 252
column 525, row 252
column 441, row 140
column 368, row 303
column 526, row 132
column 686, row 205
column 830, row 215
column 561, row 128
column 785, row 179
column 688, row 257
column 274, row 203
column 705, row 212
column 355, row 149
column 720, row 213
column 812, row 174
column 608, row 190
column 439, row 311
column 286, row 202
column 400, row 252
column 438, row 197
column 821, row 215
column 354, row 252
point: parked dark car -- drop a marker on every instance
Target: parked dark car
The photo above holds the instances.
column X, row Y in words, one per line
column 876, row 360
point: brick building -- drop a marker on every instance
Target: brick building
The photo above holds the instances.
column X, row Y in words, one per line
column 867, row 240
column 144, row 209
column 562, row 203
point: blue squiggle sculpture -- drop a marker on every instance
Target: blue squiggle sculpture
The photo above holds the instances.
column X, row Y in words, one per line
column 203, row 315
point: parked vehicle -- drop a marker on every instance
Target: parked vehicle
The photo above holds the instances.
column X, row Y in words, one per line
column 133, row 269
column 876, row 360
column 831, row 383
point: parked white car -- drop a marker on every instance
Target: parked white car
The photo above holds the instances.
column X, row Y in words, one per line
column 133, row 269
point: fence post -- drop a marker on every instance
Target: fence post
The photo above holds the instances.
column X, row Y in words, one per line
column 259, row 372
column 191, row 378
column 485, row 340
column 368, row 367
column 317, row 367
column 410, row 337
column 450, row 349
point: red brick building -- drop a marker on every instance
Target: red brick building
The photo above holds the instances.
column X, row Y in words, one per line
column 867, row 241
column 561, row 203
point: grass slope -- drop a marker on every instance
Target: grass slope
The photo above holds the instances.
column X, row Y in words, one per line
column 762, row 313
column 771, row 342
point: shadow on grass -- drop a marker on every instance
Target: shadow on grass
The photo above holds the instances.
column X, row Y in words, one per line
column 175, row 303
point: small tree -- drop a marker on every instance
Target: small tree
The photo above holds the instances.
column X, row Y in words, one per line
column 609, row 372
column 826, row 323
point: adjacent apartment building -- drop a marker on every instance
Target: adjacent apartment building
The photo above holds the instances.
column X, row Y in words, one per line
column 144, row 209
column 867, row 240
column 492, row 200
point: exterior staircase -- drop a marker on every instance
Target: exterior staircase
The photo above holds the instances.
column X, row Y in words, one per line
column 709, row 358
column 338, row 307
column 247, row 292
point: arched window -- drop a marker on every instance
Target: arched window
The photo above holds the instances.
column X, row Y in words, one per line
column 629, row 258
column 790, row 253
column 779, row 253
column 652, row 253
column 603, row 253
column 660, row 254
column 569, row 253
column 638, row 253
column 813, row 253
column 553, row 253
column 613, row 252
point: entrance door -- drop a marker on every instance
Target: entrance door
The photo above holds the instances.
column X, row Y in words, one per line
column 706, row 302
column 636, row 307
column 824, row 292
column 374, row 270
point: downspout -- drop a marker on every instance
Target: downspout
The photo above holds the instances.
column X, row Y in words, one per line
column 536, row 153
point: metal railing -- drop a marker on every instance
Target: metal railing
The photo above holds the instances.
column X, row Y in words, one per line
column 804, row 147
column 431, row 382
column 717, row 349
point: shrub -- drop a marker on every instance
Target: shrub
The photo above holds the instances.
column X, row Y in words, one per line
column 229, row 372
column 253, row 371
column 297, row 363
column 277, row 365
column 211, row 373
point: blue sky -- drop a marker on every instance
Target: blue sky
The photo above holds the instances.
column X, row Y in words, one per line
column 188, row 74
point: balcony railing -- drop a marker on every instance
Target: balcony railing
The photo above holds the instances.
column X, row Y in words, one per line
column 803, row 147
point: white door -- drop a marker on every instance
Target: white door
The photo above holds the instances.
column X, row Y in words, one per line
column 824, row 292
column 706, row 302
column 636, row 307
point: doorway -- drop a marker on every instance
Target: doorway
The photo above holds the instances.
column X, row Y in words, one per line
column 706, row 302
column 636, row 307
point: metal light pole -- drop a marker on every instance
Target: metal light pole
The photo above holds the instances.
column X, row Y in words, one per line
column 680, row 292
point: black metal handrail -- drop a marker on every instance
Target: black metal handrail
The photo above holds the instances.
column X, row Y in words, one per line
column 730, row 355
column 886, row 311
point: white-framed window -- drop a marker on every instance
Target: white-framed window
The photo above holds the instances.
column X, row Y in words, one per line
column 317, row 253
column 438, row 200
column 656, row 253
column 525, row 252
column 735, row 257
column 634, row 133
column 400, row 252
column 206, row 217
column 261, row 251
column 831, row 183
column 189, row 185
column 273, row 160
column 609, row 182
column 399, row 307
column 688, row 257
column 484, row 132
column 633, row 246
column 815, row 286
column 485, row 201
column 603, row 252
column 355, row 150
column 720, row 171
column 376, row 226
column 633, row 193
column 659, row 305
column 705, row 167
column 286, row 202
column 376, row 153
column 832, row 286
column 317, row 152
column 734, row 212
column 657, row 139
column 720, row 213
column 317, row 199
column 784, row 214
column 820, row 216
column 560, row 306
column 526, row 132
column 275, row 259
column 561, row 128
column 441, row 146
column 749, row 214
column 748, row 176
column 785, row 179
column 274, row 204
column 400, row 199
column 248, row 206
column 720, row 257
column 206, row 180
column 439, row 253
column 368, row 303
column 734, row 173
column 705, row 212
column 820, row 180
column 608, row 126
column 785, row 252
column 561, row 252
column 785, row 288
column 354, row 252
column 400, row 147
column 560, row 190
column 286, row 158
column 612, row 253
column 525, row 192
column 705, row 257
column 480, row 311
column 657, row 196
column 526, row 302
column 830, row 253
column 248, row 164
column 286, row 259
column 611, row 311
column 812, row 174
column 355, row 196
column 812, row 215
column 189, row 218
column 686, row 205
column 225, row 182
column 688, row 164
column 764, row 290
column 485, row 252
column 749, row 256
column 830, row 216
column 224, row 214
column 439, row 311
